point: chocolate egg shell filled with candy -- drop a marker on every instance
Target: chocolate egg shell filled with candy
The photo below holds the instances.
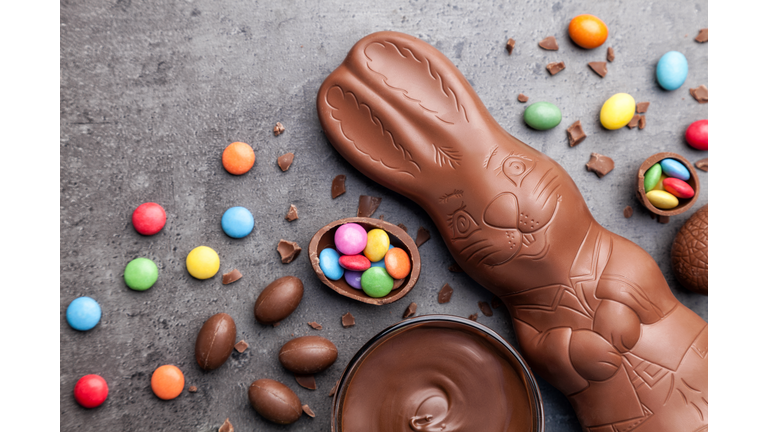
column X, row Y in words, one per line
column 215, row 341
column 683, row 203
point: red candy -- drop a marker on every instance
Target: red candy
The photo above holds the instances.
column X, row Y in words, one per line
column 148, row 218
column 91, row 391
column 355, row 262
column 678, row 187
column 697, row 134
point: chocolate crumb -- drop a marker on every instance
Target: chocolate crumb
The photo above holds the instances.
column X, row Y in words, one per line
column 663, row 219
column 338, row 187
column 403, row 227
column 226, row 427
column 600, row 164
column 703, row 35
column 288, row 250
column 422, row 236
column 241, row 346
column 454, row 268
column 554, row 68
column 642, row 107
column 635, row 120
column 367, row 205
column 600, row 68
column 473, row 317
column 292, row 214
column 495, row 302
column 192, row 389
column 335, row 387
column 285, row 161
column 381, row 216
column 522, row 98
column 700, row 93
column 641, row 124
column 410, row 310
column 628, row 212
column 444, row 296
column 510, row 46
column 306, row 381
column 315, row 325
column 610, row 55
column 347, row 320
column 278, row 129
column 575, row 133
column 275, row 324
column 485, row 308
column 702, row 164
column 307, row 410
column 549, row 43
column 228, row 278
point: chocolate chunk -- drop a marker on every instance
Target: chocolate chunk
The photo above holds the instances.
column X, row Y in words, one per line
column 454, row 268
column 485, row 308
column 663, row 219
column 600, row 68
column 367, row 205
column 403, row 227
column 549, row 43
column 496, row 303
column 192, row 389
column 285, row 161
column 410, row 310
column 278, row 129
column 347, row 320
column 444, row 296
column 381, row 217
column 335, row 387
column 522, row 98
column 292, row 214
column 554, row 68
column 628, row 212
column 702, row 37
column 315, row 325
column 641, row 123
column 338, row 187
column 610, row 55
column 288, row 250
column 700, row 93
column 241, row 346
column 642, row 107
column 307, row 410
column 575, row 133
column 306, row 381
column 600, row 164
column 226, row 427
column 473, row 317
column 275, row 324
column 635, row 120
column 422, row 236
column 702, row 164
column 510, row 46
column 228, row 278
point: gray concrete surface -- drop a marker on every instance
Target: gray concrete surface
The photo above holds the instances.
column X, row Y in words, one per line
column 151, row 94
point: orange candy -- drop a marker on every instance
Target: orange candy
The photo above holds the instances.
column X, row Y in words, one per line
column 167, row 382
column 238, row 158
column 588, row 31
column 397, row 263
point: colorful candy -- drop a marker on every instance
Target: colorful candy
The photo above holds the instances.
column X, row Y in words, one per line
column 329, row 264
column 588, row 31
column 697, row 134
column 652, row 177
column 662, row 199
column 148, row 218
column 617, row 111
column 678, row 188
column 675, row 169
column 398, row 263
column 354, row 262
column 377, row 245
column 140, row 274
column 350, row 239
column 238, row 158
column 237, row 222
column 202, row 262
column 83, row 313
column 376, row 282
column 671, row 70
column 353, row 278
column 542, row 116
column 91, row 391
column 167, row 382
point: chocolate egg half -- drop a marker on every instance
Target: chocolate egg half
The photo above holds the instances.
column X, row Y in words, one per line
column 215, row 341
column 308, row 354
column 278, row 300
column 690, row 253
column 274, row 401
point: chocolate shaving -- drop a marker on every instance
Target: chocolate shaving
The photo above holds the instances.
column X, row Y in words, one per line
column 473, row 317
column 554, row 68
column 367, row 205
column 288, row 250
column 307, row 410
column 285, row 161
column 522, row 98
column 403, row 227
column 228, row 278
column 192, row 389
column 444, row 296
column 241, row 346
column 549, row 43
column 485, row 308
column 642, row 107
column 347, row 320
column 610, row 55
column 226, row 427
column 510, row 46
column 454, row 268
column 338, row 187
column 702, row 164
column 306, row 381
column 422, row 236
column 628, row 212
column 600, row 164
column 702, row 37
column 315, row 325
column 410, row 310
column 641, row 124
column 700, row 93
column 335, row 387
column 635, row 120
column 292, row 214
column 600, row 68
column 278, row 129
column 496, row 303
column 575, row 133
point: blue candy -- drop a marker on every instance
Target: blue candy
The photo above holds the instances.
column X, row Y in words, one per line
column 83, row 313
column 673, row 168
column 353, row 278
column 237, row 222
column 671, row 70
column 329, row 264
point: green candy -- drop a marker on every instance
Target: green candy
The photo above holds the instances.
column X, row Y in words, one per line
column 652, row 177
column 140, row 274
column 376, row 282
column 542, row 116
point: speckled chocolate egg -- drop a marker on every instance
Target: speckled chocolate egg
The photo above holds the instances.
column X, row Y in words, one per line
column 215, row 341
column 274, row 401
column 690, row 251
column 308, row 354
column 278, row 300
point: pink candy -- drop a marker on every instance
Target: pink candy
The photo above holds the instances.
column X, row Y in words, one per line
column 350, row 239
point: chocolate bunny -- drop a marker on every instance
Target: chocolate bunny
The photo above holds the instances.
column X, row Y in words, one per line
column 592, row 311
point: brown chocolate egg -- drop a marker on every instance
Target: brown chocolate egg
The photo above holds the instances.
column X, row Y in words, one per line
column 274, row 401
column 215, row 341
column 308, row 354
column 690, row 251
column 278, row 300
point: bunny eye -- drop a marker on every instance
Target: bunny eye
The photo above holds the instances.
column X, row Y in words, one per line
column 461, row 223
column 516, row 168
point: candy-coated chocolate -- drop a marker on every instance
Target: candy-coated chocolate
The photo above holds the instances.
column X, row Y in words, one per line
column 377, row 246
column 237, row 222
column 167, row 382
column 673, row 168
column 148, row 218
column 662, row 199
column 329, row 264
column 354, row 262
column 617, row 111
column 83, row 313
column 398, row 263
column 376, row 282
column 652, row 177
column 202, row 262
column 588, row 31
column 350, row 239
column 91, row 391
column 671, row 70
column 678, row 188
column 140, row 274
column 542, row 115
column 697, row 134
column 660, row 183
column 238, row 158
column 353, row 278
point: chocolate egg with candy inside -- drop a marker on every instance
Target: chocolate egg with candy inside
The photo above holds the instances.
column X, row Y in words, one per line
column 215, row 341
column 274, row 401
column 308, row 354
column 278, row 300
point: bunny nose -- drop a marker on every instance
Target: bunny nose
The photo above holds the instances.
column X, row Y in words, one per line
column 502, row 212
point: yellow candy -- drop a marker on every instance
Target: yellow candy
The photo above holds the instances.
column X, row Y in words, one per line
column 617, row 111
column 660, row 184
column 662, row 199
column 377, row 246
column 202, row 262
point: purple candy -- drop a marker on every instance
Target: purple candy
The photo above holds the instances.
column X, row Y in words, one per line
column 353, row 278
column 350, row 239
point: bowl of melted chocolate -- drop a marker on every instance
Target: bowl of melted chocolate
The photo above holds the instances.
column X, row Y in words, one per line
column 437, row 373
